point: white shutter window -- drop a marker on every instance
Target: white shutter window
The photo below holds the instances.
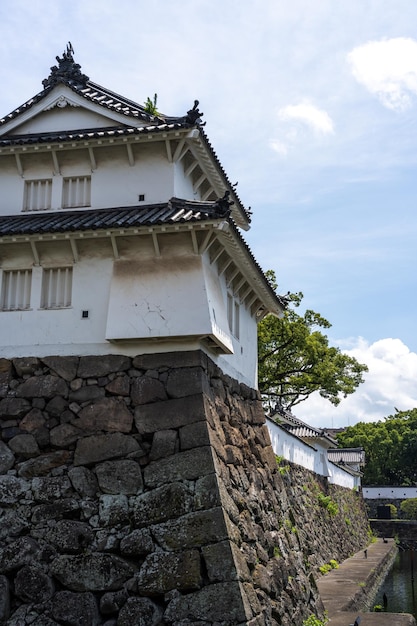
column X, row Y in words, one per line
column 15, row 290
column 76, row 192
column 38, row 195
column 56, row 288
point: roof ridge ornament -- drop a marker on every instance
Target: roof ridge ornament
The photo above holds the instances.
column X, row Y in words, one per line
column 67, row 72
column 194, row 115
column 225, row 203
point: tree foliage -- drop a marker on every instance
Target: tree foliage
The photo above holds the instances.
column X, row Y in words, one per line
column 295, row 358
column 409, row 508
column 390, row 448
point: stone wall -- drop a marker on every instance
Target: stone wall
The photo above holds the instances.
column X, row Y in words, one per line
column 145, row 491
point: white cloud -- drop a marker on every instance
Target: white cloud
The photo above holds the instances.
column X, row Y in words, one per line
column 390, row 383
column 279, row 147
column 314, row 118
column 388, row 69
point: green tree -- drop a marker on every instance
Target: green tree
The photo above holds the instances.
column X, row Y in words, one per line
column 295, row 358
column 390, row 448
column 409, row 508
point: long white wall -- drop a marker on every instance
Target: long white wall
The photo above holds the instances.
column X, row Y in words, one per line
column 292, row 449
column 389, row 493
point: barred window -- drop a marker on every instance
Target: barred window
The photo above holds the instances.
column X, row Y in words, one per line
column 56, row 288
column 15, row 290
column 38, row 194
column 76, row 192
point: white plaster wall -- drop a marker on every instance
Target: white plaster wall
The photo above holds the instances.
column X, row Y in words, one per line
column 139, row 304
column 338, row 476
column 390, row 493
column 159, row 297
column 183, row 187
column 11, row 187
column 66, row 118
column 113, row 184
column 38, row 331
column 292, row 449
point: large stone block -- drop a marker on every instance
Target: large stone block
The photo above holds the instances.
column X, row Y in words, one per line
column 50, row 488
column 170, row 414
column 13, row 407
column 146, row 389
column 138, row 543
column 4, row 599
column 113, row 510
column 106, row 414
column 140, row 612
column 224, row 561
column 87, row 393
column 25, row 446
column 43, row 387
column 167, row 502
column 164, row 443
column 84, row 481
column 18, row 553
column 63, row 366
column 162, row 572
column 119, row 477
column 44, row 463
column 225, row 603
column 6, row 458
column 98, row 366
column 104, row 447
column 92, row 572
column 12, row 489
column 26, row 366
column 188, row 465
column 187, row 381
column 191, row 358
column 33, row 421
column 192, row 530
column 70, row 536
column 75, row 609
column 65, row 435
column 194, row 435
column 31, row 584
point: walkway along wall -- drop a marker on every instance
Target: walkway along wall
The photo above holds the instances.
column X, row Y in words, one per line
column 145, row 491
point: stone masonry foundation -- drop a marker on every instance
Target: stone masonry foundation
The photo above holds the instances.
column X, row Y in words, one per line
column 145, row 492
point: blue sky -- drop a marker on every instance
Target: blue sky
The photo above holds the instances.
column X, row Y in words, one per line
column 311, row 106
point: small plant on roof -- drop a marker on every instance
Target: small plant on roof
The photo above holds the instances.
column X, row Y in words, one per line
column 150, row 105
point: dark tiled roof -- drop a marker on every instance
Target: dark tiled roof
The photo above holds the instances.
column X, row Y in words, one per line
column 175, row 211
column 347, row 455
column 299, row 428
column 77, row 135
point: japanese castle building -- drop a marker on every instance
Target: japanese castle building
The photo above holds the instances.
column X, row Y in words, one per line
column 120, row 232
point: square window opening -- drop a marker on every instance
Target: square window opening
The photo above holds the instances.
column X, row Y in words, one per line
column 56, row 288
column 15, row 290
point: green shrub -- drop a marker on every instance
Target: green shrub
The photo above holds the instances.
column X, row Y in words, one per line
column 408, row 508
column 334, row 564
column 312, row 620
column 393, row 509
column 323, row 569
column 327, row 503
